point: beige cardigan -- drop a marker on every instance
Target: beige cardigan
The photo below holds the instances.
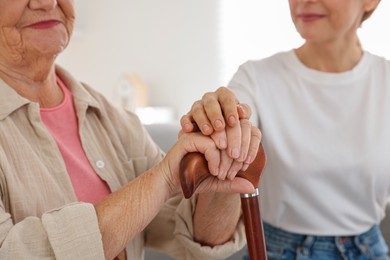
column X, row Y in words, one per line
column 39, row 213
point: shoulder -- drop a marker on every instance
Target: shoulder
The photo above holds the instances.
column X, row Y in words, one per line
column 124, row 122
column 376, row 60
column 100, row 112
column 85, row 95
column 261, row 70
column 268, row 65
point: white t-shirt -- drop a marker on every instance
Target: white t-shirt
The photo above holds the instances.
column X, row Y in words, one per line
column 327, row 140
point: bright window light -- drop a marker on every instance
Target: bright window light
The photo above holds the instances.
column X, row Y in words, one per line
column 254, row 29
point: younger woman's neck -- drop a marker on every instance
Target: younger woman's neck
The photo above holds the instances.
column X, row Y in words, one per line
column 330, row 58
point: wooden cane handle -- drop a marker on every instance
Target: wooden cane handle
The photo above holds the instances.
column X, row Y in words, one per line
column 194, row 170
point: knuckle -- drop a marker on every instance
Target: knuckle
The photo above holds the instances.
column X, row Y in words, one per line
column 238, row 165
column 245, row 123
column 208, row 101
column 247, row 108
column 207, row 96
column 196, row 109
column 253, row 150
column 225, row 93
column 256, row 132
column 222, row 89
column 197, row 104
column 184, row 118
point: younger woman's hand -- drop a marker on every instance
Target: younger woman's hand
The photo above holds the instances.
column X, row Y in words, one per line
column 213, row 114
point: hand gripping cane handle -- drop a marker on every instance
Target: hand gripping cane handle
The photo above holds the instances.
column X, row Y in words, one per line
column 194, row 170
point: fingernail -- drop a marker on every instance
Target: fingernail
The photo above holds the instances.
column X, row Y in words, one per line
column 235, row 152
column 248, row 159
column 206, row 128
column 232, row 120
column 215, row 173
column 245, row 167
column 242, row 157
column 218, row 124
column 187, row 126
column 232, row 175
column 222, row 143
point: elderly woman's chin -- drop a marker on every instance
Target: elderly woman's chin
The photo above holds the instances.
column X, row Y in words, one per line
column 47, row 45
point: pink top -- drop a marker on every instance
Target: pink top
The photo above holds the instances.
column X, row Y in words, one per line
column 61, row 121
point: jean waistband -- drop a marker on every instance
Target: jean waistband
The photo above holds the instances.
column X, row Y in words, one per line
column 293, row 238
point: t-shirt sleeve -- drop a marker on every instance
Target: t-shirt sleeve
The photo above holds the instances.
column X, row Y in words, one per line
column 242, row 84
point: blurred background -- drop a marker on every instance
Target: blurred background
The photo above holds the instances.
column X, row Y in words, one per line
column 158, row 57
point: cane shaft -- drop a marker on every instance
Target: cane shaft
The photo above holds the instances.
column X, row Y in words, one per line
column 253, row 228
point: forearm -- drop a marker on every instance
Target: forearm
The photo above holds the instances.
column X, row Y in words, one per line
column 216, row 217
column 126, row 212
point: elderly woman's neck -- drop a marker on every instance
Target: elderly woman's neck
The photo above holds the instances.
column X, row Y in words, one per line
column 34, row 83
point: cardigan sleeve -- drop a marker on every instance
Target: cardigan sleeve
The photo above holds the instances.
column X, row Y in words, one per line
column 172, row 232
column 64, row 233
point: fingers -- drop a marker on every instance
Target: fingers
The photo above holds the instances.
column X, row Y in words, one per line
column 220, row 139
column 220, row 163
column 237, row 185
column 197, row 119
column 194, row 142
column 186, row 123
column 243, row 141
column 244, row 111
column 246, row 134
column 221, row 108
column 219, row 115
column 223, row 169
column 228, row 103
column 224, row 166
column 234, row 135
column 214, row 112
column 228, row 168
column 209, row 112
column 234, row 169
column 247, row 138
column 253, row 146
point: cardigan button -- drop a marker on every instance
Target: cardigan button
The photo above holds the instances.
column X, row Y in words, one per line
column 100, row 164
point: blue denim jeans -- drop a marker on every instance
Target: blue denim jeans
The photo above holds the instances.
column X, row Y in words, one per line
column 285, row 245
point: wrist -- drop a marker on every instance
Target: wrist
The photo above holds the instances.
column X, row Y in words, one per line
column 216, row 217
column 171, row 186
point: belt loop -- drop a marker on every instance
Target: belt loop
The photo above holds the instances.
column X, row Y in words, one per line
column 362, row 241
column 308, row 241
column 359, row 243
column 305, row 248
column 339, row 242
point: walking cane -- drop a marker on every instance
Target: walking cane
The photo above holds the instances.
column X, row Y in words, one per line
column 194, row 170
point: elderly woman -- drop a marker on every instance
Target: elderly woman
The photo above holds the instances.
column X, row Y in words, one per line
column 324, row 112
column 81, row 179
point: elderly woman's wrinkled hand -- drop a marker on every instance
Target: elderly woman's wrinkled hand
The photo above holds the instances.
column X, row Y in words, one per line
column 223, row 169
